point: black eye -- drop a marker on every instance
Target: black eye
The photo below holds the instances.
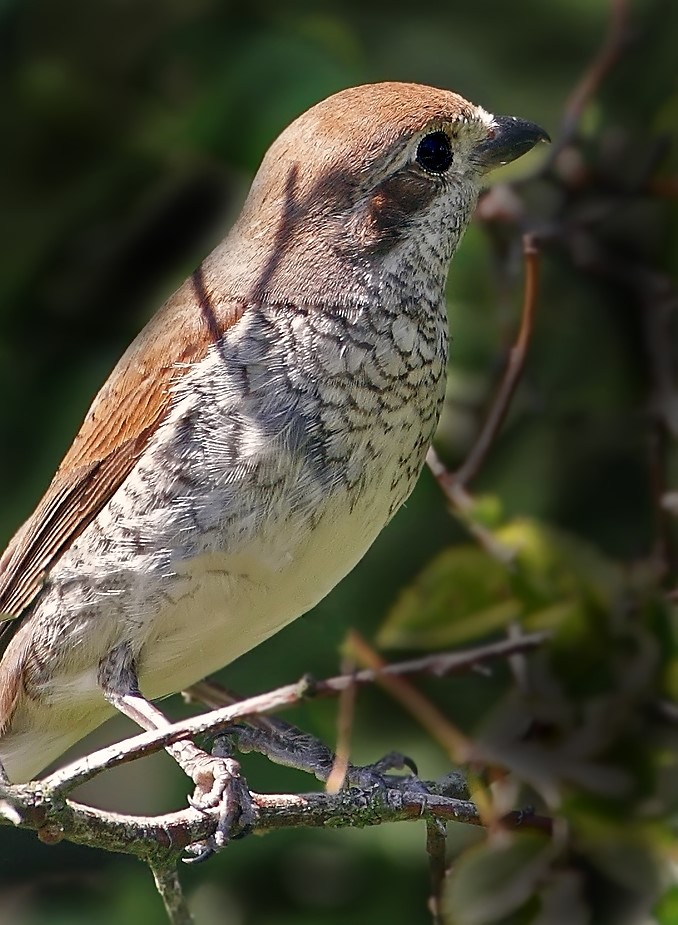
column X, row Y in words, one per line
column 435, row 152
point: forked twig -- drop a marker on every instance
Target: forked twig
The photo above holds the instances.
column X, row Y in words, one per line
column 514, row 367
column 453, row 484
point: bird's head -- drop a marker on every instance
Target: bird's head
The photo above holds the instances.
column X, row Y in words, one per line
column 367, row 180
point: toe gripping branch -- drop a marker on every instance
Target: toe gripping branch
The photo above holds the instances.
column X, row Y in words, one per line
column 287, row 745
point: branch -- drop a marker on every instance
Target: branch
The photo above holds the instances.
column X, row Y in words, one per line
column 436, row 844
column 169, row 888
column 41, row 806
column 462, row 505
column 453, row 483
column 159, row 840
column 466, row 472
column 441, row 664
column 345, row 715
column 457, row 746
column 613, row 44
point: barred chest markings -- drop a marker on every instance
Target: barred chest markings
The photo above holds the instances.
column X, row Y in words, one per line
column 301, row 433
column 305, row 405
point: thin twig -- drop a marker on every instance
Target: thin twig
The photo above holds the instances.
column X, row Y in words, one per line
column 461, row 505
column 427, row 714
column 453, row 484
column 440, row 664
column 169, row 888
column 435, row 848
column 345, row 714
column 474, row 460
column 517, row 663
column 613, row 44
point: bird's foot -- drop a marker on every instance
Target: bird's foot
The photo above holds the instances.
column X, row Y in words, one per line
column 219, row 783
column 284, row 744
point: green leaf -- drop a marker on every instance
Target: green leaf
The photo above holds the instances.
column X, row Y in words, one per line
column 464, row 593
column 461, row 594
column 552, row 565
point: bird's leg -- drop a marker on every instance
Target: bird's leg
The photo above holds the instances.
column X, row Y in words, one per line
column 287, row 745
column 217, row 779
column 281, row 743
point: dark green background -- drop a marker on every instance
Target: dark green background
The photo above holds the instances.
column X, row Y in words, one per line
column 130, row 130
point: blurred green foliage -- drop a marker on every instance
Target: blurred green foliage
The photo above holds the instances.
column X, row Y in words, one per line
column 130, row 132
column 464, row 593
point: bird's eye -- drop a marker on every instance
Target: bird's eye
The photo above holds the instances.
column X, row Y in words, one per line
column 434, row 152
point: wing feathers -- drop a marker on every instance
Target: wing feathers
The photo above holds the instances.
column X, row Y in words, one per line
column 121, row 420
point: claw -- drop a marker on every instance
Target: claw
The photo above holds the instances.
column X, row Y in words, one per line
column 202, row 852
column 409, row 763
column 376, row 776
column 219, row 784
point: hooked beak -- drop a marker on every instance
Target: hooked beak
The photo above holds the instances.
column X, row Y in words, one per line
column 508, row 139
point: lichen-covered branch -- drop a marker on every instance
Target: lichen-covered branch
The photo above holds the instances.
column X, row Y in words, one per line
column 157, row 839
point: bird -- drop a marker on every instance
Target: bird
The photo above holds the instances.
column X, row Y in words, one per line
column 260, row 432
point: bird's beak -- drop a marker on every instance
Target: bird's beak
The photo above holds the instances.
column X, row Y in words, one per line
column 508, row 138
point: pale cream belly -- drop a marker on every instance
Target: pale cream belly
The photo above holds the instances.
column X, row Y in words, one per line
column 219, row 607
column 226, row 605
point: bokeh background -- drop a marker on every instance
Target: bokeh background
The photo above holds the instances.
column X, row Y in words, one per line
column 130, row 131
